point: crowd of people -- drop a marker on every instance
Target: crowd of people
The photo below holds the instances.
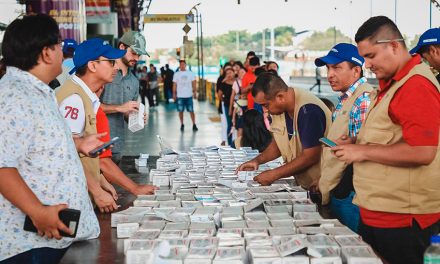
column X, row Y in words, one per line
column 381, row 178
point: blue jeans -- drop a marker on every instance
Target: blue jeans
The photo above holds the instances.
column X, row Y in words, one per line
column 38, row 256
column 346, row 211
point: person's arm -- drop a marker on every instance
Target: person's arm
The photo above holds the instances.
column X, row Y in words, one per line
column 125, row 108
column 174, row 91
column 231, row 102
column 45, row 218
column 270, row 153
column 399, row 155
column 114, row 174
column 103, row 199
column 194, row 88
column 307, row 158
column 88, row 143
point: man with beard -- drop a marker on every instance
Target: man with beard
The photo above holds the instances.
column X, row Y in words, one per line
column 120, row 97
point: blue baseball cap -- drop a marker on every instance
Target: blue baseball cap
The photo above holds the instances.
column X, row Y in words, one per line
column 431, row 36
column 339, row 53
column 92, row 49
column 69, row 44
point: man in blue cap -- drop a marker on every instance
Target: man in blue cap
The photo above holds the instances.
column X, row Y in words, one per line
column 69, row 46
column 94, row 67
column 345, row 75
column 429, row 48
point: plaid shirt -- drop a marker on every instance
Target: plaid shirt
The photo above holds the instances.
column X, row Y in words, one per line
column 358, row 111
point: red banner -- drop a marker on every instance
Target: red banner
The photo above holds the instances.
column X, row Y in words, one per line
column 98, row 11
column 69, row 14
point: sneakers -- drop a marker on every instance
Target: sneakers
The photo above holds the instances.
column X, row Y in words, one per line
column 182, row 127
column 195, row 127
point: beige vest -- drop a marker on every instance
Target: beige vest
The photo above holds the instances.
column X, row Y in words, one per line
column 292, row 148
column 414, row 190
column 90, row 165
column 331, row 167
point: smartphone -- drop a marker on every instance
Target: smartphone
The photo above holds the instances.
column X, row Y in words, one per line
column 70, row 217
column 327, row 142
column 99, row 149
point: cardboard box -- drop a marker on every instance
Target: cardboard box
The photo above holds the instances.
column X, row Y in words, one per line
column 136, row 119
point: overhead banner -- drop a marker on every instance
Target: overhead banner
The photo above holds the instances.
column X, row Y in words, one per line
column 69, row 14
column 123, row 8
column 98, row 11
column 169, row 18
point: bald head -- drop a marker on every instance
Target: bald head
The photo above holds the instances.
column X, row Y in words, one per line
column 379, row 28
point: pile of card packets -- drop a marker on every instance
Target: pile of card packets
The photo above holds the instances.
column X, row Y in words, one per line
column 206, row 213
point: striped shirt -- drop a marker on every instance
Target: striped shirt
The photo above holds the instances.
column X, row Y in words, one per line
column 358, row 111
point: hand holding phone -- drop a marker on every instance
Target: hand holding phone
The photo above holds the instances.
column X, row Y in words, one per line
column 327, row 142
column 97, row 151
column 47, row 224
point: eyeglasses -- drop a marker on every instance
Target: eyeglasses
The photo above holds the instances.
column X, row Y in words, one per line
column 112, row 62
column 389, row 40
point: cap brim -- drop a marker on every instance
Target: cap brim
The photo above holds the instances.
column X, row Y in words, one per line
column 415, row 49
column 328, row 60
column 112, row 53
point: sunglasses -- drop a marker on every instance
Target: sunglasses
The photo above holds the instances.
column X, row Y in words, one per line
column 112, row 62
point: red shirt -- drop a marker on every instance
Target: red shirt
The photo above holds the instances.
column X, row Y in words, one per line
column 101, row 127
column 249, row 78
column 416, row 108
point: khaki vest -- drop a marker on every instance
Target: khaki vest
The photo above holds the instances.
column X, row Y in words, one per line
column 331, row 167
column 90, row 165
column 292, row 148
column 414, row 190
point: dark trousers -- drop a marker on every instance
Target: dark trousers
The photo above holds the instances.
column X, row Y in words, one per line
column 399, row 245
column 37, row 256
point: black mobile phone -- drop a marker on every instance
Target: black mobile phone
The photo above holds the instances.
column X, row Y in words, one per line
column 70, row 217
column 98, row 150
column 327, row 142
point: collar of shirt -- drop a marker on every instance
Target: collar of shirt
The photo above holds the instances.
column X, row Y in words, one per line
column 385, row 85
column 90, row 94
column 16, row 73
column 352, row 88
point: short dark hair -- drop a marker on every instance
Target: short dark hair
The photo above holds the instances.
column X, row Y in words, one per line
column 352, row 65
column 250, row 53
column 81, row 71
column 270, row 84
column 425, row 48
column 372, row 28
column 25, row 39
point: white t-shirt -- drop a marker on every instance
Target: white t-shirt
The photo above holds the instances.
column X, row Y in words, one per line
column 183, row 80
column 72, row 108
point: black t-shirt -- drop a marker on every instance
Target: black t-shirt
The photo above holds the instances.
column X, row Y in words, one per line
column 227, row 92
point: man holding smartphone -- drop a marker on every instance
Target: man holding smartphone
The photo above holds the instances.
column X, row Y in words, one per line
column 94, row 67
column 40, row 172
column 345, row 75
column 396, row 158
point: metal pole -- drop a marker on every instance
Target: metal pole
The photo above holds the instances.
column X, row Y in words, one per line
column 198, row 46
column 201, row 58
column 264, row 44
column 395, row 11
column 237, row 40
column 430, row 14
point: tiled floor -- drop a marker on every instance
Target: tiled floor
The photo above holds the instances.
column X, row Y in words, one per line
column 164, row 121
